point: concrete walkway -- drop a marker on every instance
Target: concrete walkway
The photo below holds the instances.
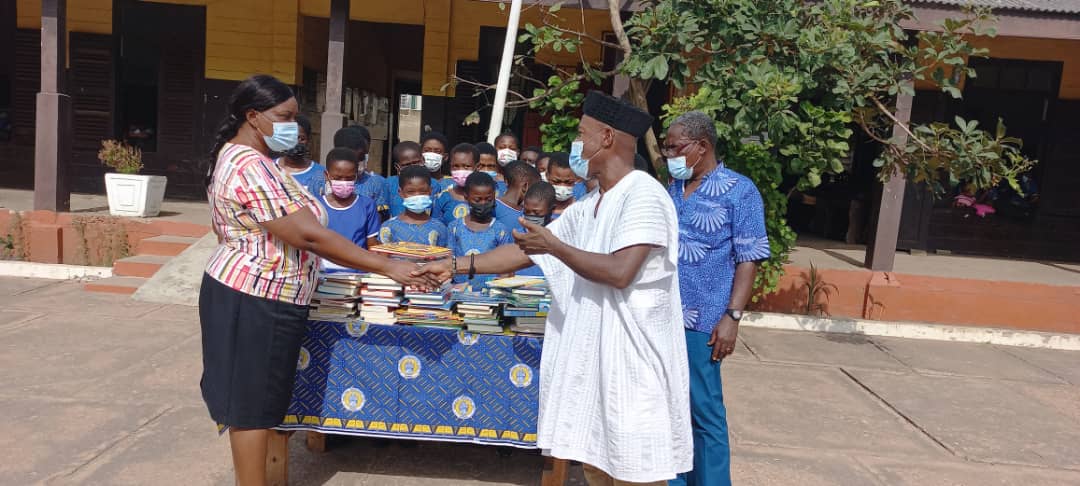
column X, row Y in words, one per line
column 100, row 389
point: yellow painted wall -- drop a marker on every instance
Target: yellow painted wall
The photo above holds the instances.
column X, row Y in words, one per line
column 244, row 37
column 388, row 11
column 93, row 16
column 1029, row 49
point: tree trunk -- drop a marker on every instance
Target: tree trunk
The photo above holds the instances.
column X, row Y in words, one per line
column 638, row 87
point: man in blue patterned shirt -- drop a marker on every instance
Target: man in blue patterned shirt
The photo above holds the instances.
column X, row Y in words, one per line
column 721, row 239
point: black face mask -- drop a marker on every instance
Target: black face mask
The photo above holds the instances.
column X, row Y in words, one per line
column 537, row 220
column 482, row 212
column 299, row 152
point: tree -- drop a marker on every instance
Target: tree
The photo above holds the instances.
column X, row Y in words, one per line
column 798, row 78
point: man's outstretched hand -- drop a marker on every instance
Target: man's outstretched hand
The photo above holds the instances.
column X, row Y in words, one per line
column 537, row 240
column 437, row 271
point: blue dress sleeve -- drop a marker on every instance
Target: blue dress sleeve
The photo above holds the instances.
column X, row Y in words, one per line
column 373, row 223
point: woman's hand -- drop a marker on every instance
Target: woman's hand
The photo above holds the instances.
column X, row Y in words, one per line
column 438, row 270
column 411, row 275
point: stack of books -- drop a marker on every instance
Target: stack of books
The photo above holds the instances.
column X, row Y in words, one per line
column 528, row 303
column 380, row 298
column 335, row 297
column 480, row 312
column 429, row 309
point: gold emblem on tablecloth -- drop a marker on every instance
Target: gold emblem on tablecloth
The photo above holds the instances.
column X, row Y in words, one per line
column 356, row 328
column 464, row 407
column 409, row 367
column 521, row 375
column 467, row 338
column 304, row 359
column 352, row 399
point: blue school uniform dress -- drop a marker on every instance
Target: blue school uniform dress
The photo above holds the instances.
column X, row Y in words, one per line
column 433, row 232
column 507, row 215
column 313, row 178
column 393, row 199
column 445, row 184
column 720, row 225
column 372, row 186
column 357, row 222
column 465, row 242
column 447, row 209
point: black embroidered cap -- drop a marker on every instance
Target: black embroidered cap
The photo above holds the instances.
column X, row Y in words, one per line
column 617, row 113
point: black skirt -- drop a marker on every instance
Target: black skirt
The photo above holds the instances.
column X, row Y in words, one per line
column 250, row 346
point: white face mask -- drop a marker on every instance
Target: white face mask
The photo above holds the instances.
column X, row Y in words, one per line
column 563, row 193
column 543, row 176
column 506, row 156
column 432, row 161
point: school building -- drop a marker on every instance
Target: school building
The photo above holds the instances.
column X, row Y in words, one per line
column 158, row 73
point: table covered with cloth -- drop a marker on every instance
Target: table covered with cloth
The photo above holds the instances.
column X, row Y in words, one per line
column 364, row 379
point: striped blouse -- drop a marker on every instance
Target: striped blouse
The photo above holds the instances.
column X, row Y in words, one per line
column 248, row 189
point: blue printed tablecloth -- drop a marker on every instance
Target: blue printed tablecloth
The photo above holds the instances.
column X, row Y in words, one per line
column 413, row 382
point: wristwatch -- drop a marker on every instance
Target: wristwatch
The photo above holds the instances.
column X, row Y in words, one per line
column 736, row 314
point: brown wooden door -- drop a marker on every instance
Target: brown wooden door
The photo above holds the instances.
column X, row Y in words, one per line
column 93, row 96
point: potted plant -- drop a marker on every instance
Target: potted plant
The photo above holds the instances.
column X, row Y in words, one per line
column 130, row 194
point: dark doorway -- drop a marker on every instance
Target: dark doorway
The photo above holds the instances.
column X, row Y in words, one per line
column 159, row 105
column 1021, row 225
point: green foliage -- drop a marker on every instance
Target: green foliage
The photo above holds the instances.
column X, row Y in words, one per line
column 800, row 77
column 120, row 157
column 558, row 101
column 762, row 167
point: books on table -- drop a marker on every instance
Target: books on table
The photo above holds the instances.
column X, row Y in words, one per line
column 380, row 297
column 335, row 297
column 413, row 252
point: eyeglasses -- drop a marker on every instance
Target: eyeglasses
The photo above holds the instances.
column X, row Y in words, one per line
column 673, row 150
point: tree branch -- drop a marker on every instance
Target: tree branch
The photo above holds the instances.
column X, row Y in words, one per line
column 903, row 126
column 638, row 87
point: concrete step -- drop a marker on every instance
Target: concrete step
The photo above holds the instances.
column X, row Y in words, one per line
column 139, row 265
column 115, row 285
column 164, row 245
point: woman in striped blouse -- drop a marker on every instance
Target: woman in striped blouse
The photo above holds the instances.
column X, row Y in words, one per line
column 253, row 302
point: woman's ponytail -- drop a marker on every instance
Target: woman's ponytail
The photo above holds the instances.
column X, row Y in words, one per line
column 260, row 93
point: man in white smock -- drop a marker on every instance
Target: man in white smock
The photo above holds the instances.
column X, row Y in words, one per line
column 614, row 384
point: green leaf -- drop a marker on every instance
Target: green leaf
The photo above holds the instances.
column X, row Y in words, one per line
column 554, row 8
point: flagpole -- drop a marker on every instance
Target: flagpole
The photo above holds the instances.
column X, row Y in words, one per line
column 504, row 72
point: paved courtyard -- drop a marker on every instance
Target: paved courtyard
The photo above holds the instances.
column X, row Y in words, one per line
column 100, row 389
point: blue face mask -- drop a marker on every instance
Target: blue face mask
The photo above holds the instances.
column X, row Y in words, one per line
column 491, row 173
column 676, row 166
column 579, row 164
column 286, row 135
column 417, row 204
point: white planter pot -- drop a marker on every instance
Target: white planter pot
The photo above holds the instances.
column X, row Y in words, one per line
column 135, row 195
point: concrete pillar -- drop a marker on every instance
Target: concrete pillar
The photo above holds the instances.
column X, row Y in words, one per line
column 332, row 117
column 881, row 252
column 52, row 143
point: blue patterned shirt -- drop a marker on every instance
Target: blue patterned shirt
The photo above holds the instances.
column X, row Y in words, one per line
column 465, row 242
column 433, row 232
column 372, row 186
column 720, row 225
